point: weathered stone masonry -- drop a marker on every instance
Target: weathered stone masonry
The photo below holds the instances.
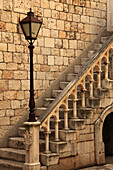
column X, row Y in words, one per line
column 68, row 27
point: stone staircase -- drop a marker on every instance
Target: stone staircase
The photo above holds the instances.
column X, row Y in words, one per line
column 71, row 111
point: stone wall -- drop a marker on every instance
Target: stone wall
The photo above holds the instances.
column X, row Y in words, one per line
column 68, row 27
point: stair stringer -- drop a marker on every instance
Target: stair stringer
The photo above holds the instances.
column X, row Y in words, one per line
column 70, row 88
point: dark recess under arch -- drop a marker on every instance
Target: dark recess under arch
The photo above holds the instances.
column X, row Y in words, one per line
column 108, row 134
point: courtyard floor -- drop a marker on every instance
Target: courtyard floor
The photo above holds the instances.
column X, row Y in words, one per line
column 107, row 166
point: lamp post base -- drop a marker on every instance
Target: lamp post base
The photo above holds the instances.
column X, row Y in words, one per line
column 32, row 166
column 31, row 140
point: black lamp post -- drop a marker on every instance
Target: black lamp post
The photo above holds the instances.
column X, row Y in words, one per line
column 30, row 27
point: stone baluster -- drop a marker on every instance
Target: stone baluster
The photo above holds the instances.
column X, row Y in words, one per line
column 83, row 92
column 106, row 70
column 47, row 132
column 83, row 97
column 66, row 119
column 91, row 88
column 99, row 79
column 56, row 130
column 75, row 108
column 106, row 65
column 91, row 83
column 99, row 74
column 111, row 63
column 31, row 140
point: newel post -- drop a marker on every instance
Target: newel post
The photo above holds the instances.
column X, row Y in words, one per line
column 31, row 139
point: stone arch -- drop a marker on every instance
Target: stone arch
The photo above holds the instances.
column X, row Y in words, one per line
column 99, row 144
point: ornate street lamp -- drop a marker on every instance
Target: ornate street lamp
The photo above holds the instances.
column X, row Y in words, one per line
column 30, row 27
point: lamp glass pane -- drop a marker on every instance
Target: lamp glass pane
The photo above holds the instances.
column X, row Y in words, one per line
column 34, row 29
column 26, row 29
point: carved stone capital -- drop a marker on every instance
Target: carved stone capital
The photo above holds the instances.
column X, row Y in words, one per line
column 27, row 139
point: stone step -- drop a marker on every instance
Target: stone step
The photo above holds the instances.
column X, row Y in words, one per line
column 61, row 123
column 68, row 135
column 43, row 168
column 94, row 102
column 16, row 142
column 62, row 111
column 10, row 165
column 91, row 53
column 70, row 103
column 71, row 76
column 49, row 160
column 97, row 92
column 42, row 145
column 63, row 84
column 57, row 146
column 12, row 154
column 40, row 110
column 51, row 136
column 104, row 39
column 42, row 134
column 77, row 123
column 63, row 148
column 85, row 113
column 97, row 47
column 79, row 102
column 48, row 101
column 55, row 93
column 84, row 61
column 21, row 131
column 77, row 68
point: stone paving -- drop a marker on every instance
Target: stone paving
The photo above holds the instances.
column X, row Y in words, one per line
column 104, row 167
column 107, row 166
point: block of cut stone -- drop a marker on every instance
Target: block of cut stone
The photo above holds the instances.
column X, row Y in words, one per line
column 69, row 135
column 77, row 68
column 71, row 76
column 9, row 164
column 97, row 46
column 106, row 84
column 48, row 101
column 85, row 113
column 84, row 61
column 63, row 84
column 21, row 131
column 91, row 53
column 12, row 154
column 76, row 124
column 17, row 142
column 104, row 39
column 55, row 93
column 49, row 159
column 43, row 168
column 63, row 148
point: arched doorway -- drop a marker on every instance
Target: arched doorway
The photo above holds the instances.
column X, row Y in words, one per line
column 108, row 135
column 103, row 127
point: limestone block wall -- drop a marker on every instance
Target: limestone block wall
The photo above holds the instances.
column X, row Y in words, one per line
column 68, row 27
